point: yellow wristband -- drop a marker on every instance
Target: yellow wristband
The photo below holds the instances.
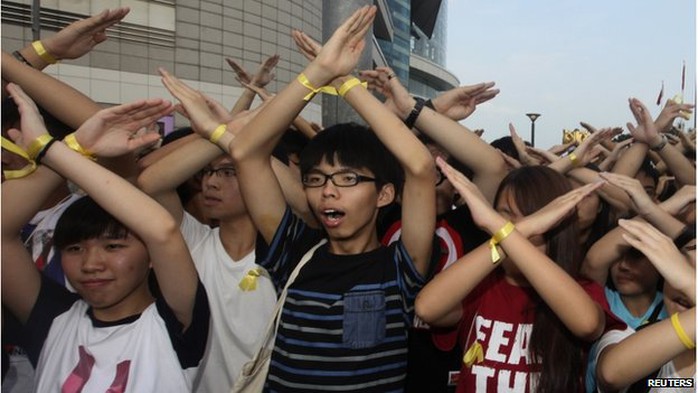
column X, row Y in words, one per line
column 37, row 145
column 314, row 90
column 573, row 158
column 18, row 173
column 685, row 340
column 73, row 144
column 41, row 51
column 497, row 238
column 218, row 133
column 350, row 84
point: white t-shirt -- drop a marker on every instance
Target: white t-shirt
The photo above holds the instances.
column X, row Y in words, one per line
column 132, row 357
column 238, row 318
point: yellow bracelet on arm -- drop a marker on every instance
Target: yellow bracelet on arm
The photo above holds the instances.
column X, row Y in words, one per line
column 497, row 238
column 41, row 51
column 18, row 173
column 685, row 340
column 314, row 90
column 37, row 145
column 573, row 159
column 218, row 133
column 350, row 84
column 71, row 141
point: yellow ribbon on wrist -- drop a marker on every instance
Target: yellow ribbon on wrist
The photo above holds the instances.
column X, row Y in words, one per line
column 474, row 354
column 573, row 159
column 314, row 90
column 41, row 51
column 18, row 173
column 72, row 142
column 249, row 282
column 37, row 145
column 350, row 84
column 685, row 340
column 217, row 134
column 497, row 238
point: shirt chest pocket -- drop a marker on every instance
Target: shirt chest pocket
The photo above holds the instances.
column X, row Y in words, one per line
column 364, row 319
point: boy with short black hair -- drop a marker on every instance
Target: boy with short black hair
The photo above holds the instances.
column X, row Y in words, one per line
column 345, row 320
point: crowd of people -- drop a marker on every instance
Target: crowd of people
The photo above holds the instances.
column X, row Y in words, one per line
column 409, row 253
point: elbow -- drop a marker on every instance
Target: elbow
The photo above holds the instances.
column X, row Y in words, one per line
column 144, row 184
column 592, row 328
column 167, row 230
column 422, row 169
column 608, row 377
column 433, row 315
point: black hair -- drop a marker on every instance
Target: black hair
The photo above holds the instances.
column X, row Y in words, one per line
column 294, row 141
column 559, row 351
column 84, row 219
column 354, row 146
column 506, row 145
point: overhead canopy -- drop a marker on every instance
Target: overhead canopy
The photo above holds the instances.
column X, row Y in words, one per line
column 424, row 13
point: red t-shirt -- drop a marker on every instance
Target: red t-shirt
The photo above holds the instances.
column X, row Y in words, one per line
column 501, row 316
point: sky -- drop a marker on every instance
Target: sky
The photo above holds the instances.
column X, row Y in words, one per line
column 570, row 60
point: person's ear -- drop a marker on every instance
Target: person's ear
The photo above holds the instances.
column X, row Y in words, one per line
column 386, row 195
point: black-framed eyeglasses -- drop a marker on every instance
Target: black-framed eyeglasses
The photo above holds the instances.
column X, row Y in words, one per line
column 339, row 179
column 224, row 171
column 440, row 177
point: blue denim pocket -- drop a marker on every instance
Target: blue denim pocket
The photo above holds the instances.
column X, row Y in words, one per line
column 364, row 319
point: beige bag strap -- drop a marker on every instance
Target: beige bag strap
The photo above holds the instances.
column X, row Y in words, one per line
column 273, row 325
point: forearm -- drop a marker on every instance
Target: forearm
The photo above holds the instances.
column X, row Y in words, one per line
column 66, row 103
column 615, row 196
column 602, row 254
column 678, row 165
column 630, row 162
column 166, row 174
column 663, row 221
column 133, row 208
column 244, row 102
column 263, row 132
column 30, row 55
column 402, row 143
column 22, row 198
column 446, row 290
column 643, row 352
column 487, row 164
column 304, row 127
column 565, row 297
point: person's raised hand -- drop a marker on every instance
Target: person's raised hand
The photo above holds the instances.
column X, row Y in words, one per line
column 646, row 130
column 31, row 122
column 340, row 54
column 119, row 130
column 263, row 75
column 585, row 151
column 642, row 203
column 482, row 211
column 460, row 102
column 670, row 112
column 662, row 253
column 520, row 146
column 511, row 162
column 203, row 119
column 554, row 212
column 384, row 81
column 78, row 38
column 541, row 155
column 261, row 92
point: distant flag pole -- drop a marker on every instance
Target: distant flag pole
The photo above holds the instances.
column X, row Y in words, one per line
column 683, row 78
column 661, row 94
